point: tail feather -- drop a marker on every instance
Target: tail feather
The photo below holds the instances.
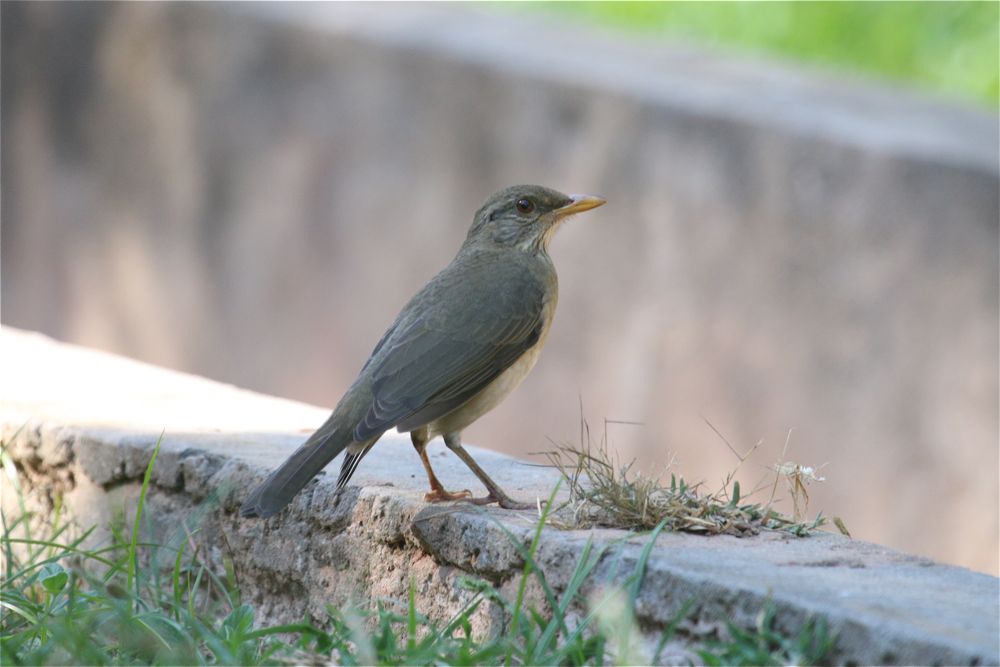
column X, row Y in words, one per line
column 284, row 483
column 350, row 464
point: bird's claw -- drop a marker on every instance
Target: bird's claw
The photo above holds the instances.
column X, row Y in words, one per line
column 441, row 496
column 505, row 502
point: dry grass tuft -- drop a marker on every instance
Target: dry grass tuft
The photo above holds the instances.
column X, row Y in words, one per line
column 606, row 493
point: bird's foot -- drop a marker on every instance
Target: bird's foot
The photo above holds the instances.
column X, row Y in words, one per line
column 440, row 495
column 503, row 501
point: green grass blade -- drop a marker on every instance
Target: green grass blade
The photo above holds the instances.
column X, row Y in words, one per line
column 584, row 567
column 132, row 565
column 20, row 610
column 411, row 618
column 529, row 566
column 640, row 567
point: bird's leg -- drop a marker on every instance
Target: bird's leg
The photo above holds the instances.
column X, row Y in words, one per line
column 437, row 493
column 496, row 494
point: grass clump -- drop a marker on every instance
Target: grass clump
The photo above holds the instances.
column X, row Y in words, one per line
column 605, row 492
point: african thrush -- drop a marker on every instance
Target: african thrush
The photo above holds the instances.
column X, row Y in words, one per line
column 465, row 341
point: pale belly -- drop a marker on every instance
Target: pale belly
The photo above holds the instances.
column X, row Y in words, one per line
column 488, row 398
column 496, row 391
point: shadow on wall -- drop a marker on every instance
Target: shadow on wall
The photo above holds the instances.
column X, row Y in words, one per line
column 252, row 193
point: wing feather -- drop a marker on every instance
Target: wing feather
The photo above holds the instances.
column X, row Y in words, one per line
column 449, row 345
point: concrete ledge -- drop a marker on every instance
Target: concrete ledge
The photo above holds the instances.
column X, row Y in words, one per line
column 84, row 424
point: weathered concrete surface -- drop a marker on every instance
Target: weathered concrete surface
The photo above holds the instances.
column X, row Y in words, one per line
column 250, row 192
column 86, row 423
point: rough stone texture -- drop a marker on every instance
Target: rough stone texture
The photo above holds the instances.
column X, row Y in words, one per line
column 83, row 424
column 251, row 191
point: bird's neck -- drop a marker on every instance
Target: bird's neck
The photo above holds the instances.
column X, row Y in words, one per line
column 533, row 253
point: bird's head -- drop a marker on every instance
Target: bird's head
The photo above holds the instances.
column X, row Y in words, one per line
column 525, row 216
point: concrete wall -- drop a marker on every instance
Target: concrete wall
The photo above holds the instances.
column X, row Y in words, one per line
column 251, row 192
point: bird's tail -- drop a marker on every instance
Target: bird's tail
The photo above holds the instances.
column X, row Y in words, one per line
column 282, row 485
column 350, row 464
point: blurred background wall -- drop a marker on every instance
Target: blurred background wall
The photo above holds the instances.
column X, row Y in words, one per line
column 250, row 192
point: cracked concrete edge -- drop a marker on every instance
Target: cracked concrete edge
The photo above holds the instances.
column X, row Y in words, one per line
column 371, row 542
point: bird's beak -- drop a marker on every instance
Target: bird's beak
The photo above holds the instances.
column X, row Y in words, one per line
column 578, row 204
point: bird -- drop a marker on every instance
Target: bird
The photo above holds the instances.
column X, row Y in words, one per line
column 455, row 351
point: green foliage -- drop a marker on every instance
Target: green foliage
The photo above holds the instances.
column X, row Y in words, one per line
column 944, row 46
column 766, row 646
column 133, row 602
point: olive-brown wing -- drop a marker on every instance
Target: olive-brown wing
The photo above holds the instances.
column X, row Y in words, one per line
column 444, row 350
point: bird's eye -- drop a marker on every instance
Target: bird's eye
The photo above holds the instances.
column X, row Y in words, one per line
column 524, row 206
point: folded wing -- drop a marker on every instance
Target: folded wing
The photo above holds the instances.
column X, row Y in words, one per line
column 430, row 364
